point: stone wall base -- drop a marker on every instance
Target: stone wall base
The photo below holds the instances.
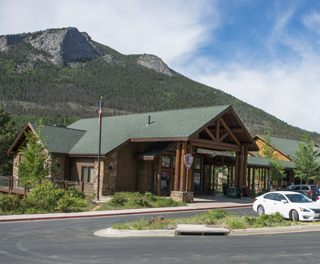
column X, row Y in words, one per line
column 178, row 196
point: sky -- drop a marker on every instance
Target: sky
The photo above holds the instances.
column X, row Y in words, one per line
column 265, row 53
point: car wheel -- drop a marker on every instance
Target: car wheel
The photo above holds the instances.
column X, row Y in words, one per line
column 260, row 210
column 294, row 215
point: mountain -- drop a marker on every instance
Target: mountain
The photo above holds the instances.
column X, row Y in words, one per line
column 59, row 74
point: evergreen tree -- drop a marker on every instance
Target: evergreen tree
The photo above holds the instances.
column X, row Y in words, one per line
column 306, row 160
column 7, row 136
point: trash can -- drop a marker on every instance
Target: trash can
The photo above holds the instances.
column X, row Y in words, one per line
column 233, row 192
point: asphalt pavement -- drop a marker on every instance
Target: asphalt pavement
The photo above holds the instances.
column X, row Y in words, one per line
column 203, row 202
column 200, row 203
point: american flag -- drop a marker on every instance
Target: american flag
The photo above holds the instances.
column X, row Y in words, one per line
column 100, row 111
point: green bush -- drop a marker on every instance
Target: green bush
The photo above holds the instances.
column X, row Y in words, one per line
column 151, row 197
column 70, row 203
column 236, row 223
column 119, row 199
column 9, row 203
column 44, row 198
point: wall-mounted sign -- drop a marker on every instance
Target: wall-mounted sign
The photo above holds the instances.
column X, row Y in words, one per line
column 188, row 160
column 214, row 152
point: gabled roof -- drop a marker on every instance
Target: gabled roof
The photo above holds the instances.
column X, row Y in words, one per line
column 59, row 139
column 82, row 137
column 287, row 147
column 263, row 162
column 172, row 125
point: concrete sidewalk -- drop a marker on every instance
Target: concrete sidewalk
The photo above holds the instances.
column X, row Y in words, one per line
column 202, row 202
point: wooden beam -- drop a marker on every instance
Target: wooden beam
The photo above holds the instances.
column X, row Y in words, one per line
column 177, row 168
column 210, row 134
column 218, row 128
column 224, row 136
column 183, row 168
column 158, row 184
column 229, row 130
column 203, row 143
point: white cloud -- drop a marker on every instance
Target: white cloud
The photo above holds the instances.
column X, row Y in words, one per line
column 312, row 21
column 165, row 28
column 289, row 92
column 287, row 87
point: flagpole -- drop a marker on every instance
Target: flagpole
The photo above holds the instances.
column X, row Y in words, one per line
column 100, row 123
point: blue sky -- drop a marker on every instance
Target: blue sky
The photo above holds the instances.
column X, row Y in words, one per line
column 265, row 53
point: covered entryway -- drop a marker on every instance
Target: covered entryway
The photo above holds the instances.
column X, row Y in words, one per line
column 223, row 136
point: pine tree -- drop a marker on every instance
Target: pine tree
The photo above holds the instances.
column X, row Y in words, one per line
column 7, row 136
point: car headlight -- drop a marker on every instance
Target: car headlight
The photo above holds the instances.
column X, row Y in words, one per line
column 304, row 210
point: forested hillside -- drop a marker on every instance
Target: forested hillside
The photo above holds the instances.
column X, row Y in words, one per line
column 32, row 85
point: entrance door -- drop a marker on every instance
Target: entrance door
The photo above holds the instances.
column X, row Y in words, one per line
column 197, row 175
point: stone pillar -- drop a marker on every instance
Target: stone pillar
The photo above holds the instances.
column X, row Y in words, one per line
column 110, row 171
column 186, row 197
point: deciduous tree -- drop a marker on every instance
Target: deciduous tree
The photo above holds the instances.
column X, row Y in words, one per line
column 306, row 160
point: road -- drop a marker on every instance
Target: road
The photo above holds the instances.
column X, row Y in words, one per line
column 72, row 241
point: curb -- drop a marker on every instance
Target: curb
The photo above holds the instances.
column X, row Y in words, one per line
column 274, row 230
column 117, row 213
column 202, row 230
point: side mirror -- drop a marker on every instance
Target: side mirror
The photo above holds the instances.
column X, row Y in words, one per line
column 284, row 201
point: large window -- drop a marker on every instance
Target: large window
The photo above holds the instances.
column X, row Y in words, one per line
column 87, row 174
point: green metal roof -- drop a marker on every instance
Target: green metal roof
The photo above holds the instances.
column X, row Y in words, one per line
column 287, row 146
column 59, row 139
column 255, row 161
column 164, row 125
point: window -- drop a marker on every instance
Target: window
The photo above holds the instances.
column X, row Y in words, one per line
column 270, row 196
column 87, row 174
column 166, row 161
column 280, row 197
column 197, row 163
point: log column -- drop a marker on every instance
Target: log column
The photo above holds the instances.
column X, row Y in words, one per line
column 183, row 168
column 177, row 168
column 189, row 173
column 158, row 185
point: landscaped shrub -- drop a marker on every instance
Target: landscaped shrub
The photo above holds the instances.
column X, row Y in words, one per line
column 119, row 199
column 266, row 220
column 9, row 203
column 138, row 200
column 236, row 223
column 44, row 198
column 151, row 197
column 69, row 202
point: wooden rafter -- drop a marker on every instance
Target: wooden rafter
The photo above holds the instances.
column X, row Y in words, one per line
column 210, row 134
column 229, row 130
column 203, row 143
column 224, row 136
column 217, row 128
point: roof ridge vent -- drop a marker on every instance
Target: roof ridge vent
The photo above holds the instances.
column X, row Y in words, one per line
column 149, row 120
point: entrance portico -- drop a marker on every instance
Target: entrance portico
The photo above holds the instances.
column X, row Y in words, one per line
column 223, row 136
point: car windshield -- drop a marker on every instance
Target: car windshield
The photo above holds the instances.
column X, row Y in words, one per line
column 298, row 198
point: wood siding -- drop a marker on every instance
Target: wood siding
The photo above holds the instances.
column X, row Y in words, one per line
column 75, row 167
column 127, row 178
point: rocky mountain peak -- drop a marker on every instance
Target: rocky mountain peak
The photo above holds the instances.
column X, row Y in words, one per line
column 64, row 45
column 154, row 63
